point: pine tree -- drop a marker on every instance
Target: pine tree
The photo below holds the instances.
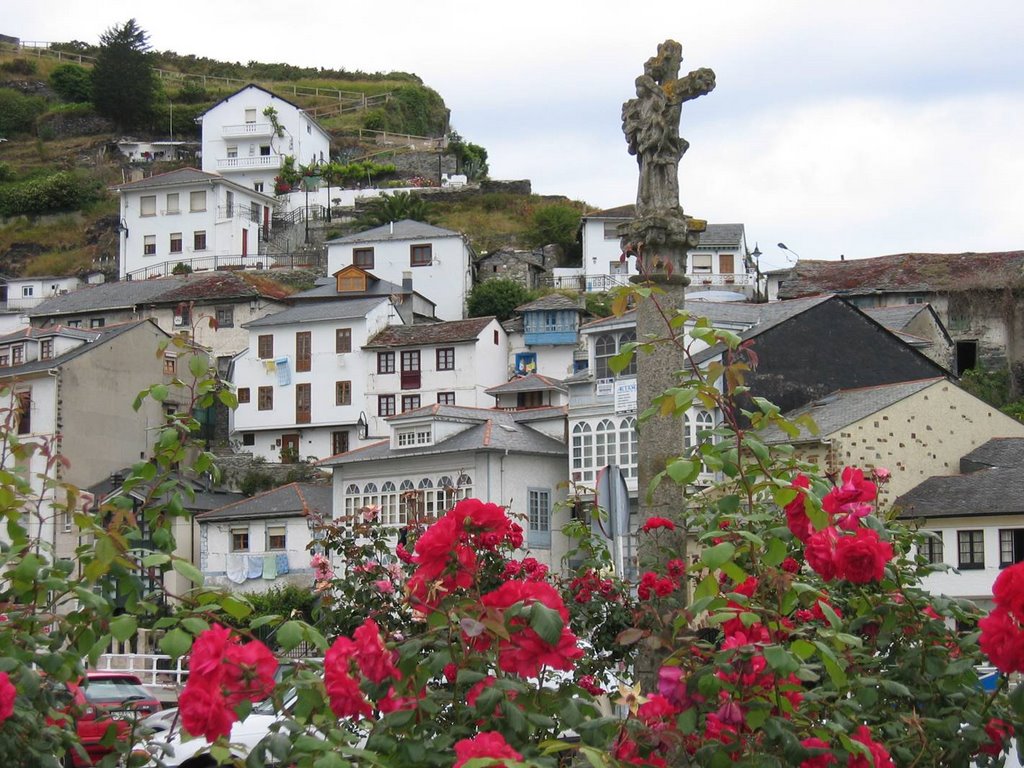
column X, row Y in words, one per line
column 124, row 85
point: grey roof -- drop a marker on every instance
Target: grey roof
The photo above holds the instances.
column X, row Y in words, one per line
column 447, row 332
column 103, row 335
column 897, row 317
column 998, row 452
column 292, row 500
column 535, row 382
column 315, row 311
column 201, row 499
column 619, row 212
column 31, row 332
column 552, row 301
column 327, row 287
column 184, row 177
column 492, row 430
column 992, row 491
column 406, row 229
column 721, row 236
column 846, row 406
column 744, row 313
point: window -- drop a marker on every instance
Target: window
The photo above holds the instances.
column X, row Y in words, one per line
column 248, row 438
column 495, row 337
column 232, row 152
column 931, row 547
column 225, row 317
column 170, row 365
column 74, row 323
column 5, row 359
column 343, row 340
column 446, row 398
column 529, row 400
column 607, row 346
column 17, row 354
column 97, row 322
column 172, row 203
column 352, row 283
column 197, row 201
column 24, row 407
column 410, row 402
column 411, row 369
column 385, row 405
column 421, row 255
column 250, row 115
column 628, row 446
column 147, row 205
column 243, row 395
column 27, row 291
column 149, row 245
column 415, row 436
column 611, row 230
column 303, row 407
column 694, row 427
column 257, row 187
column 46, row 349
column 343, row 393
column 239, row 539
column 265, row 398
column 363, row 257
column 604, row 443
column 701, row 263
column 385, row 362
column 1011, row 546
column 264, row 150
column 199, row 240
column 175, row 242
column 276, row 537
column 539, row 510
column 339, row 442
column 582, row 453
column 265, row 346
column 446, row 359
column 972, row 549
column 303, row 351
column 389, row 504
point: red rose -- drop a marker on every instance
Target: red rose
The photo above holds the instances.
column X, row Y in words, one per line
column 796, row 514
column 249, row 671
column 861, row 558
column 821, row 759
column 487, row 744
column 1002, row 641
column 1008, row 590
column 854, row 488
column 374, row 659
column 879, row 754
column 654, row 523
column 7, row 695
column 820, row 552
column 205, row 712
column 789, row 565
column 343, row 693
column 999, row 733
column 209, row 651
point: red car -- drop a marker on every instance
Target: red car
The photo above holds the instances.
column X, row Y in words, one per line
column 104, row 701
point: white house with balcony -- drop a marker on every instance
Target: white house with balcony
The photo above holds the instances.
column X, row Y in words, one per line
column 719, row 263
column 431, row 457
column 192, row 217
column 242, row 143
column 438, row 259
column 544, row 337
column 447, row 363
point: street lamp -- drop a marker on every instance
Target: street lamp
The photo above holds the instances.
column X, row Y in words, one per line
column 785, row 248
column 756, row 256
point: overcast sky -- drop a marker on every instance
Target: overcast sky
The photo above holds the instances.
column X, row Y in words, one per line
column 857, row 128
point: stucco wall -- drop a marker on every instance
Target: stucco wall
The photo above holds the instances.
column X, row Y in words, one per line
column 215, row 552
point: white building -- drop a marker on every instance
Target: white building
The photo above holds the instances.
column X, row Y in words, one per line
column 448, row 363
column 439, row 260
column 198, row 219
column 438, row 454
column 27, row 292
column 544, row 337
column 242, row 143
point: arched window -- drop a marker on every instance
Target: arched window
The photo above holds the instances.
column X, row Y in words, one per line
column 627, row 446
column 604, row 350
column 445, row 493
column 604, row 444
column 352, row 499
column 625, row 338
column 389, row 504
column 370, row 496
column 464, row 488
column 700, row 422
column 426, row 491
column 582, row 453
column 408, row 502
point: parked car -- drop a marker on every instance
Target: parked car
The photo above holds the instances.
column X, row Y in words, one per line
column 102, row 701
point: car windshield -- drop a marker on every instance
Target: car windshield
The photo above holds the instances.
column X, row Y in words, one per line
column 114, row 689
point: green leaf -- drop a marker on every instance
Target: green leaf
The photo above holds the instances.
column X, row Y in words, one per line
column 158, row 392
column 708, row 587
column 546, row 622
column 781, row 660
column 621, row 361
column 289, row 634
column 122, row 627
column 195, row 625
column 776, row 552
column 718, row 555
column 897, row 689
column 157, row 558
column 198, row 366
column 682, row 471
column 228, row 399
column 189, row 571
column 803, row 649
column 176, row 643
column 235, row 608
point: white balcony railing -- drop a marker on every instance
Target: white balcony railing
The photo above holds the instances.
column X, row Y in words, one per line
column 248, row 129
column 740, row 278
column 244, row 163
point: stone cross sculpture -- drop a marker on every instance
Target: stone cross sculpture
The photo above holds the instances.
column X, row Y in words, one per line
column 659, row 232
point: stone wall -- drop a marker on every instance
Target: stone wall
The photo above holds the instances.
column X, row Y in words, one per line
column 57, row 126
column 236, row 466
column 429, row 165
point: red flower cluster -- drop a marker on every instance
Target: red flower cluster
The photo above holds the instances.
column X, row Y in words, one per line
column 651, row 584
column 999, row 733
column 589, row 583
column 7, row 695
column 1002, row 631
column 879, row 755
column 654, row 523
column 489, row 744
column 374, row 661
column 822, row 760
column 796, row 512
column 529, row 568
column 222, row 673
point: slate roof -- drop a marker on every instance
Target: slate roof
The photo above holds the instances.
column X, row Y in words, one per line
column 552, row 301
column 314, row 311
column 493, row 430
column 202, row 499
column 534, row 382
column 743, row 313
column 993, row 491
column 721, row 236
column 183, row 177
column 619, row 212
column 406, row 229
column 897, row 317
column 846, row 406
column 997, row 452
column 103, row 335
column 292, row 500
column 31, row 332
column 449, row 332
column 213, row 286
column 327, row 287
column 905, row 272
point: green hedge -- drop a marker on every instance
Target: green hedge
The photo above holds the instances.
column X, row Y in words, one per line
column 62, row 191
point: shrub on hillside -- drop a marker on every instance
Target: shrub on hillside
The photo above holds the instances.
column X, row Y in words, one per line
column 72, row 83
column 18, row 112
column 19, row 67
column 62, row 191
column 497, row 297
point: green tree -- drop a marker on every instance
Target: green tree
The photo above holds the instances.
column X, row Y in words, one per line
column 387, row 208
column 124, row 85
column 497, row 297
column 471, row 158
column 554, row 224
column 18, row 112
column 72, row 83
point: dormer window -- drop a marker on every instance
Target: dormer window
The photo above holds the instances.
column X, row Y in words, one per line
column 407, row 438
column 46, row 349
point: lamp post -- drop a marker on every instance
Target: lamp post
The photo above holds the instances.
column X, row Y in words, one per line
column 784, row 247
column 756, row 256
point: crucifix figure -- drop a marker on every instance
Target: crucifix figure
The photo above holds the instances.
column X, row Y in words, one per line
column 651, row 124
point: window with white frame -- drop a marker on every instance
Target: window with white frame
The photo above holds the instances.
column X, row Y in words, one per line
column 701, row 263
column 464, row 487
column 426, row 489
column 607, row 346
column 173, row 206
column 147, row 205
column 27, row 291
column 353, row 497
column 371, row 496
column 539, row 511
column 582, row 453
column 389, row 509
column 277, row 537
column 408, row 501
column 694, row 426
column 197, row 201
column 149, row 245
column 414, row 436
column 604, row 443
column 628, row 446
column 239, row 538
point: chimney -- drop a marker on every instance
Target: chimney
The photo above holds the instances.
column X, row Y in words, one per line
column 407, row 281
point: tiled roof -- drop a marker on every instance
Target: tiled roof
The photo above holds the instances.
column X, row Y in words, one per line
column 449, row 332
column 847, row 406
column 103, row 335
column 292, row 500
column 721, row 236
column 179, row 176
column 906, row 272
column 998, row 452
column 993, row 491
column 552, row 301
column 406, row 229
column 895, row 318
column 337, row 308
column 535, row 382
